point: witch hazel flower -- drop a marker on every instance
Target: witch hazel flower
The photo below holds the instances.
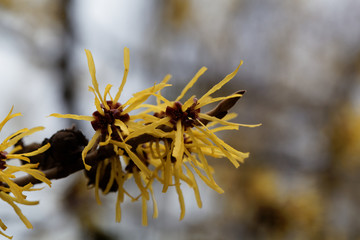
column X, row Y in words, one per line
column 188, row 138
column 113, row 123
column 111, row 120
column 10, row 191
column 168, row 142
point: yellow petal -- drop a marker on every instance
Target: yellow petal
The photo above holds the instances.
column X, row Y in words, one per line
column 122, row 126
column 38, row 151
column 215, row 119
column 140, row 97
column 159, row 98
column 31, row 170
column 222, row 128
column 73, row 116
column 228, row 117
column 221, row 121
column 138, row 182
column 88, row 147
column 195, row 187
column 207, row 181
column 97, row 102
column 167, row 168
column 232, row 154
column 150, row 129
column 201, row 156
column 155, row 207
column 153, row 108
column 16, row 138
column 223, row 98
column 158, row 95
column 118, row 207
column 14, row 135
column 108, row 137
column 92, row 71
column 178, row 151
column 3, row 227
column 126, row 71
column 7, row 199
column 107, row 91
column 191, row 83
column 8, row 117
column 188, row 103
column 113, row 172
column 97, row 181
column 133, row 157
column 166, row 78
column 208, row 100
column 221, row 83
column 179, row 192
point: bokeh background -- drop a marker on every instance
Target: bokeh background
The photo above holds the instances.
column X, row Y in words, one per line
column 301, row 72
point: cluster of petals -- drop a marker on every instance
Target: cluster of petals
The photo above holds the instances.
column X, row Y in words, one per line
column 10, row 192
column 172, row 139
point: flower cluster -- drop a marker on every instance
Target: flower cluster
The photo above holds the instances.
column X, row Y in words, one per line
column 167, row 142
column 10, row 191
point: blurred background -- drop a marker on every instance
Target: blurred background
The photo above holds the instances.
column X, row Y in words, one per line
column 302, row 75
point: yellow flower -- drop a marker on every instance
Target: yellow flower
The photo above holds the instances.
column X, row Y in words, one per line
column 167, row 145
column 10, row 192
column 186, row 139
column 112, row 124
column 111, row 120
